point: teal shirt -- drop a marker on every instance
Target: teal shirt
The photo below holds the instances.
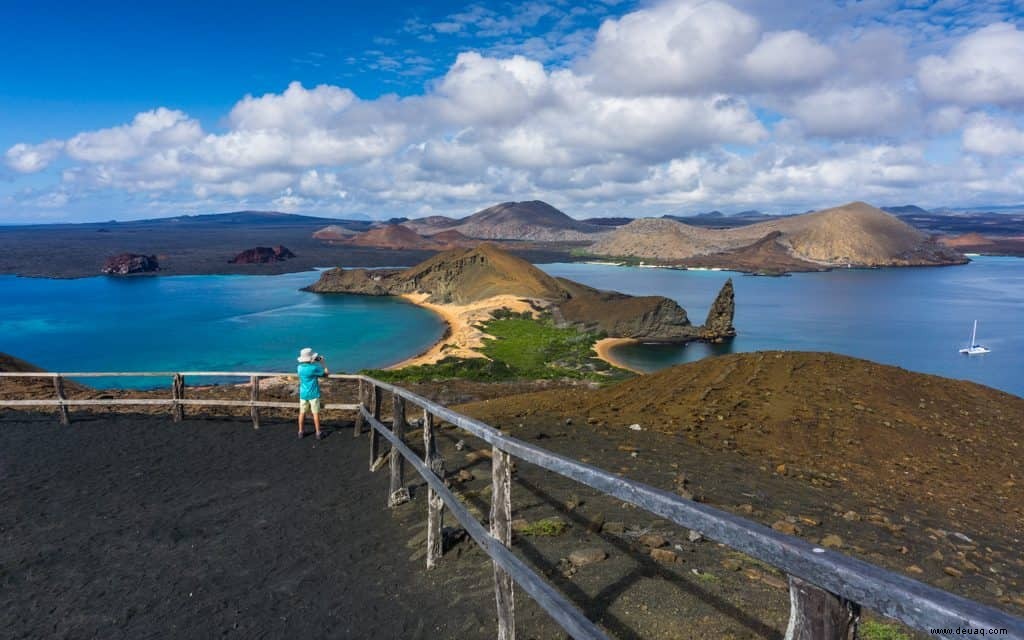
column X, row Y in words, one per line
column 309, row 383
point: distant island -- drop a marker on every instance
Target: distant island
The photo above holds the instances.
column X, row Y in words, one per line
column 852, row 235
column 470, row 287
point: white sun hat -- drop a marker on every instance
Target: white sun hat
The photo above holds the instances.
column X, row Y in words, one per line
column 307, row 355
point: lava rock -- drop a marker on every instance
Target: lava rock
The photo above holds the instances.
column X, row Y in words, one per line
column 126, row 263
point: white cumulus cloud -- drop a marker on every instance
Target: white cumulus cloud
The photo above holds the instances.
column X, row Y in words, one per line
column 154, row 129
column 993, row 136
column 30, row 158
column 985, row 67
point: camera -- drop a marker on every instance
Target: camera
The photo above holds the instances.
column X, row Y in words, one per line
column 319, row 358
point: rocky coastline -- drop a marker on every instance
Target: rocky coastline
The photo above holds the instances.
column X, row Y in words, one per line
column 471, row 282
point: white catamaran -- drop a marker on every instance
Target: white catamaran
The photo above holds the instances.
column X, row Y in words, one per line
column 974, row 348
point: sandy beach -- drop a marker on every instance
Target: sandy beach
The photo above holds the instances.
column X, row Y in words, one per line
column 604, row 349
column 463, row 338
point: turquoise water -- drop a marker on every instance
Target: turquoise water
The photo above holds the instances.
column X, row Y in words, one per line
column 194, row 323
column 916, row 318
column 913, row 318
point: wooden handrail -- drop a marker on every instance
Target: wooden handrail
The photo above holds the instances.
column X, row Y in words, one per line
column 563, row 612
column 821, row 580
column 893, row 595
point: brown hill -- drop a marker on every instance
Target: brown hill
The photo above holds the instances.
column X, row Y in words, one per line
column 974, row 239
column 765, row 256
column 533, row 220
column 393, row 236
column 21, row 388
column 431, row 224
column 872, row 428
column 454, row 238
column 467, row 275
column 457, row 276
column 333, row 232
column 859, row 234
column 464, row 276
column 855, row 234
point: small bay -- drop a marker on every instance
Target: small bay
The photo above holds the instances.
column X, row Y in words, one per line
column 193, row 323
column 916, row 318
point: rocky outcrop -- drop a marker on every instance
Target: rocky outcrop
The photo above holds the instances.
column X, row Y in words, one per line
column 366, row 282
column 650, row 318
column 263, row 255
column 718, row 326
column 464, row 276
column 128, row 263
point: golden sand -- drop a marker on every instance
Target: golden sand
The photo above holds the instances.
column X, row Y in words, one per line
column 463, row 338
column 604, row 349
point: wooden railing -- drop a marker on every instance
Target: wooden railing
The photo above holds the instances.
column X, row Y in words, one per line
column 827, row 589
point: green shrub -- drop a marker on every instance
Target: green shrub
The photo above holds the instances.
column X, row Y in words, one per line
column 521, row 347
column 545, row 527
column 874, row 630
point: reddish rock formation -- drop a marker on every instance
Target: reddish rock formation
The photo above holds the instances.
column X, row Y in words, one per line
column 263, row 255
column 126, row 263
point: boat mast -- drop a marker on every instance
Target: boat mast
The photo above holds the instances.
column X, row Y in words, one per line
column 974, row 332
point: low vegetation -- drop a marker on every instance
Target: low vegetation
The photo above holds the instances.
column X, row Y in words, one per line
column 520, row 346
column 546, row 527
column 874, row 630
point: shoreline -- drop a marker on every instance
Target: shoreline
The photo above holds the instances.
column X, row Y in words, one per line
column 462, row 337
column 604, row 348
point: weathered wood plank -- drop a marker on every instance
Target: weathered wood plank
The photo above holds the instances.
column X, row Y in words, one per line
column 554, row 603
column 177, row 394
column 816, row 614
column 893, row 595
column 62, row 409
column 398, row 493
column 374, row 436
column 501, row 529
column 358, row 427
column 435, row 506
column 254, row 397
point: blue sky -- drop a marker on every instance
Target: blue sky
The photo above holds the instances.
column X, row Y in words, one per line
column 123, row 110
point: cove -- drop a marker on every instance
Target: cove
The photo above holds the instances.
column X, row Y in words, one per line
column 180, row 323
column 912, row 317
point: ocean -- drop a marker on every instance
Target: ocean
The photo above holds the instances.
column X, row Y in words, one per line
column 916, row 317
column 194, row 323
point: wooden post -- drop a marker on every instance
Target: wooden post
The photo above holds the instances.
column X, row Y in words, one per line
column 374, row 436
column 398, row 494
column 254, row 396
column 435, row 505
column 178, row 393
column 62, row 409
column 816, row 614
column 501, row 529
column 360, row 421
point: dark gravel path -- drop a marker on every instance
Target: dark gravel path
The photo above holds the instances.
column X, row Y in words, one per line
column 135, row 527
